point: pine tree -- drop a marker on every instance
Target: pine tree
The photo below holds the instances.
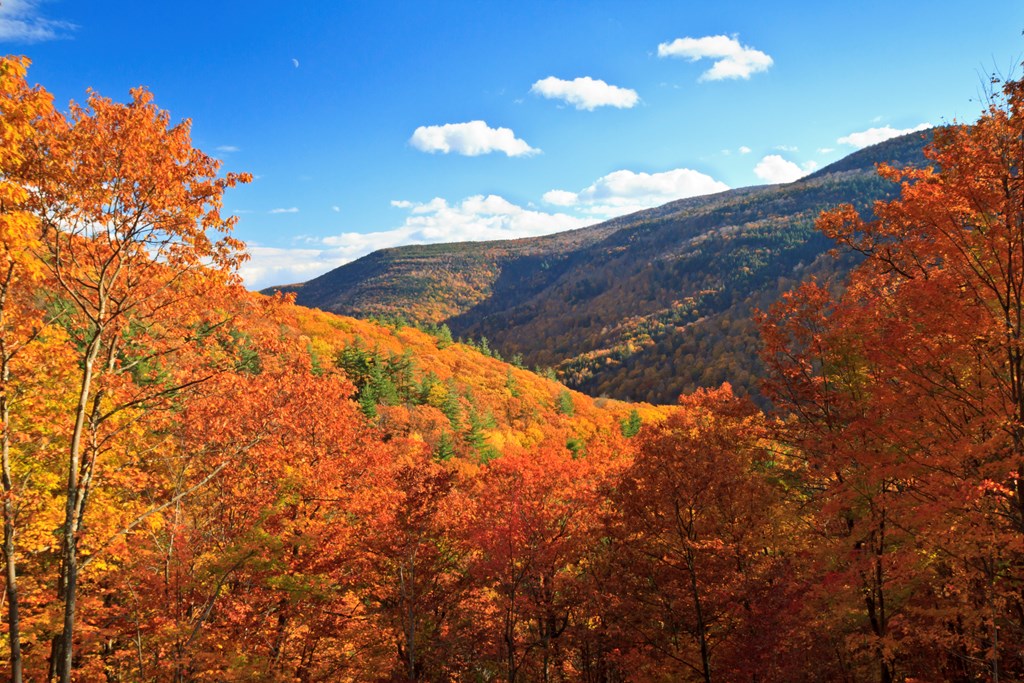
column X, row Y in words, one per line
column 631, row 424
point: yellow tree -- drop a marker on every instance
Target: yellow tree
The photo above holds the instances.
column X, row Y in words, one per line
column 130, row 213
column 22, row 110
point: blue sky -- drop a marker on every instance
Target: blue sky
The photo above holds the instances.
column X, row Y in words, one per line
column 372, row 124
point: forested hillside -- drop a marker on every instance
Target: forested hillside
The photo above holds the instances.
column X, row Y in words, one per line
column 203, row 482
column 643, row 307
column 206, row 484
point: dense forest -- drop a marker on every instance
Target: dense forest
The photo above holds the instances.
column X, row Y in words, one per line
column 206, row 484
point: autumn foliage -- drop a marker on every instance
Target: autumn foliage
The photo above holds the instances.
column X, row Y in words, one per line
column 201, row 483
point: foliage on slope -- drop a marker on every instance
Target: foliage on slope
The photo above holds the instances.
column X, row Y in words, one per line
column 665, row 306
column 431, row 283
column 424, row 386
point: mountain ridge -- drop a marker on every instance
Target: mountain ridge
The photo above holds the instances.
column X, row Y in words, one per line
column 640, row 307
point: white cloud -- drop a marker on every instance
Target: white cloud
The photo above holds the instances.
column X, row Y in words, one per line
column 872, row 136
column 469, row 139
column 268, row 266
column 745, row 150
column 227, row 149
column 775, row 169
column 733, row 60
column 293, row 209
column 20, row 21
column 623, row 192
column 476, row 218
column 787, row 148
column 560, row 197
column 586, row 93
column 295, row 63
column 825, row 150
column 336, row 209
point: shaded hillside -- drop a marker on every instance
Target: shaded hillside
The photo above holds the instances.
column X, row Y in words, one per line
column 643, row 307
column 665, row 306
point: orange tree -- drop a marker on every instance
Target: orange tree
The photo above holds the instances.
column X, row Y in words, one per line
column 129, row 216
column 907, row 400
column 24, row 113
column 695, row 544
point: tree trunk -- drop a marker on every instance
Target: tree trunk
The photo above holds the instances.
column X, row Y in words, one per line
column 67, row 590
column 705, row 655
column 10, row 567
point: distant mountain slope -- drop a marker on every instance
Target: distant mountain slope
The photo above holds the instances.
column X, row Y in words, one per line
column 431, row 283
column 642, row 307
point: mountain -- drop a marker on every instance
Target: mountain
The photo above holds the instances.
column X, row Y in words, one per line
column 642, row 307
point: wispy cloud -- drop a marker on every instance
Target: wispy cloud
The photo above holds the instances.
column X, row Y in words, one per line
column 293, row 209
column 732, row 59
column 227, row 149
column 775, row 169
column 21, row 21
column 477, row 218
column 624, row 191
column 586, row 93
column 472, row 138
column 268, row 266
column 745, row 150
column 480, row 217
column 873, row 136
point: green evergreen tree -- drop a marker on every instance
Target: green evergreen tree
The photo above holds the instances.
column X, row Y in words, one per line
column 564, row 404
column 428, row 382
column 368, row 404
column 356, row 362
column 451, row 408
column 315, row 364
column 380, row 388
column 475, row 436
column 631, row 425
column 511, row 384
column 445, row 447
column 400, row 370
column 444, row 336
